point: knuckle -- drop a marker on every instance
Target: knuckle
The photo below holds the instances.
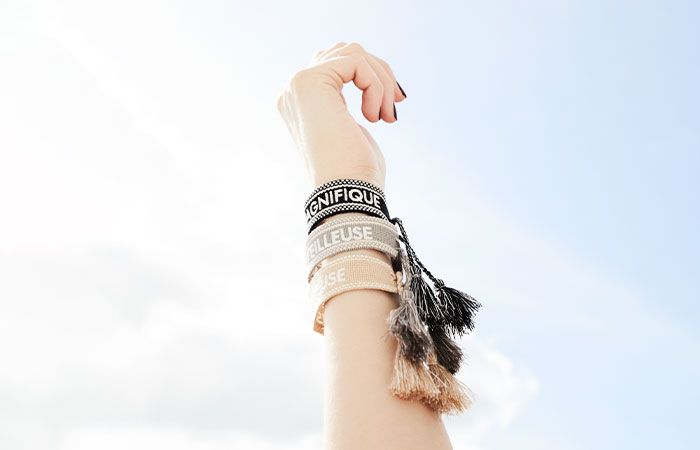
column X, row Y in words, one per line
column 355, row 46
column 358, row 59
column 299, row 78
column 305, row 79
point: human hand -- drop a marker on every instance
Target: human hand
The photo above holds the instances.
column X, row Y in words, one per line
column 329, row 139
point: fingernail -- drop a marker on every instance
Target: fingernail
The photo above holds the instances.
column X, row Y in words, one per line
column 380, row 113
column 401, row 89
column 395, row 112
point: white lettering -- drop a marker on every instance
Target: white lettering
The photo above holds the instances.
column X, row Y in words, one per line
column 324, row 200
column 355, row 195
column 345, row 234
column 356, row 233
column 333, row 277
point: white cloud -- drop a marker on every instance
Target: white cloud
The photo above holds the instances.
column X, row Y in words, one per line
column 501, row 391
column 147, row 298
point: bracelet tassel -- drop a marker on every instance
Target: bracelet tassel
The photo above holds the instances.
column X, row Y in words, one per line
column 411, row 378
column 449, row 308
column 429, row 315
column 455, row 396
column 419, row 373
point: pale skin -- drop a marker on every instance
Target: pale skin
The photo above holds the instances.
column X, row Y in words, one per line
column 359, row 410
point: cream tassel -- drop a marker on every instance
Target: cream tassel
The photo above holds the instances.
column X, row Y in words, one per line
column 412, row 381
column 454, row 397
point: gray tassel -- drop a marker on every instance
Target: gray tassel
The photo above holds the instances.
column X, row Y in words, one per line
column 405, row 324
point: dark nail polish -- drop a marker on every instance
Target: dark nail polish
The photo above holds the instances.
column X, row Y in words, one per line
column 401, row 89
column 380, row 113
column 395, row 112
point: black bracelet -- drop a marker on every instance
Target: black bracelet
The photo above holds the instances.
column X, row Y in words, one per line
column 344, row 195
column 343, row 182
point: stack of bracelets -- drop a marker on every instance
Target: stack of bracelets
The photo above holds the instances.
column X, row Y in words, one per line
column 427, row 318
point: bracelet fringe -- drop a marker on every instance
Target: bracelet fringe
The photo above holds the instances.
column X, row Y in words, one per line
column 455, row 397
column 412, row 381
column 404, row 322
column 448, row 308
column 447, row 351
column 425, row 360
column 429, row 315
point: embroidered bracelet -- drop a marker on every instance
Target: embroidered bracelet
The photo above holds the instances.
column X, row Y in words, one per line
column 428, row 315
column 344, row 195
column 345, row 274
column 349, row 233
column 343, row 182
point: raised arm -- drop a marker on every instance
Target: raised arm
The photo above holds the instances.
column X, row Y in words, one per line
column 360, row 411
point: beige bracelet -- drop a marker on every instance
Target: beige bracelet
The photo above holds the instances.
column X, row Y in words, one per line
column 348, row 273
column 349, row 233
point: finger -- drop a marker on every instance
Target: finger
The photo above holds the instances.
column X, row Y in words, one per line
column 322, row 54
column 316, row 58
column 335, row 46
column 398, row 92
column 354, row 67
column 392, row 90
column 319, row 55
column 389, row 89
column 387, row 109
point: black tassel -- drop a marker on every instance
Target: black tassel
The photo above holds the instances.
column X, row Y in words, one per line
column 448, row 352
column 427, row 303
column 450, row 309
column 462, row 308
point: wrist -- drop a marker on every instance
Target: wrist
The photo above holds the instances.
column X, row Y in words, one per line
column 320, row 178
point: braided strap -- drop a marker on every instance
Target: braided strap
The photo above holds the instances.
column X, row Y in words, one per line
column 344, row 195
column 342, row 182
column 348, row 273
column 348, row 233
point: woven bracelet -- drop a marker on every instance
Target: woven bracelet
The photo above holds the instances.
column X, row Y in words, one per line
column 349, row 233
column 345, row 195
column 348, row 273
column 428, row 316
column 343, row 182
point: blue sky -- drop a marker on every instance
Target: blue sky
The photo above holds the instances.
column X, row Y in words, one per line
column 545, row 161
